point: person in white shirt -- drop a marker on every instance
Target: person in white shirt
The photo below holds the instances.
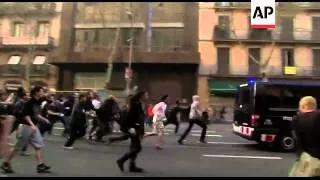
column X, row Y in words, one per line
column 159, row 117
column 195, row 117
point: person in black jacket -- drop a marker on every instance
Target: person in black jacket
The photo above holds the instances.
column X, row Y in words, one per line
column 123, row 117
column 18, row 114
column 18, row 108
column 172, row 116
column 30, row 133
column 78, row 124
column 105, row 116
column 68, row 106
column 306, row 127
column 134, row 126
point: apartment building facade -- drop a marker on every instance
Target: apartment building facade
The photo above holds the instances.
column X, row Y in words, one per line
column 164, row 55
column 231, row 52
column 29, row 32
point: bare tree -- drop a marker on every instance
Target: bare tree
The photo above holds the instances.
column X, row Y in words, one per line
column 101, row 8
column 115, row 43
column 292, row 10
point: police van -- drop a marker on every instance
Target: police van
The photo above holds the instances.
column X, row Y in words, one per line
column 264, row 110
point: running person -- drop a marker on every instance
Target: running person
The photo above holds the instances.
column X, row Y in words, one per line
column 134, row 126
column 18, row 114
column 195, row 117
column 123, row 118
column 159, row 118
column 78, row 124
column 30, row 132
column 173, row 116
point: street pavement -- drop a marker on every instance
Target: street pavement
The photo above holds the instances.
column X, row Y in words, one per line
column 225, row 155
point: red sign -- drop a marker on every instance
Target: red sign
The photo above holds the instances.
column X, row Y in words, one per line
column 128, row 73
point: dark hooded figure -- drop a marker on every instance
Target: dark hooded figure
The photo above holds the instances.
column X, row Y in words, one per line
column 134, row 126
column 106, row 115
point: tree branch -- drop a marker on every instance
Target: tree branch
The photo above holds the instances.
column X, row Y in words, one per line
column 115, row 43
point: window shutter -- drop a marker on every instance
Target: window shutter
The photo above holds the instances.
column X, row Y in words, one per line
column 13, row 29
column 37, row 33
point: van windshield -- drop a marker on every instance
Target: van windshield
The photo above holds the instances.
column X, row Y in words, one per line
column 243, row 95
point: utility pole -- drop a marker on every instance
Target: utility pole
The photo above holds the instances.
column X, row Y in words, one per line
column 149, row 25
column 30, row 52
column 128, row 71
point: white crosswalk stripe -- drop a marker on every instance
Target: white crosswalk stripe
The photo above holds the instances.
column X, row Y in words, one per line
column 243, row 157
column 194, row 131
column 207, row 135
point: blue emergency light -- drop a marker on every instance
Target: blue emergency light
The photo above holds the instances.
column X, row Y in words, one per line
column 251, row 80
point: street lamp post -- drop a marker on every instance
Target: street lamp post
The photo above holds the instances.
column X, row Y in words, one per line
column 129, row 70
column 28, row 67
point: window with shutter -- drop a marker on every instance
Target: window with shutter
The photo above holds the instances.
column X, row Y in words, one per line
column 43, row 29
column 223, row 57
column 14, row 59
column 18, row 29
column 167, row 39
column 39, row 60
column 288, row 57
column 224, row 22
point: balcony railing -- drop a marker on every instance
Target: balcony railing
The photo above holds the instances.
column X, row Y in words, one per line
column 26, row 40
column 12, row 70
column 299, row 5
column 232, row 5
column 39, row 70
column 35, row 8
column 249, row 34
column 298, row 35
column 172, row 17
column 154, row 48
column 253, row 70
column 280, row 5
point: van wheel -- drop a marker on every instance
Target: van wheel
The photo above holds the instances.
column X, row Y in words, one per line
column 287, row 143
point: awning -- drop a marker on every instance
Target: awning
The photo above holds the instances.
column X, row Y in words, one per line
column 223, row 86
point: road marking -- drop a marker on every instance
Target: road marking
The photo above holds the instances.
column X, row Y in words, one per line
column 194, row 131
column 208, row 135
column 59, row 128
column 245, row 157
column 229, row 143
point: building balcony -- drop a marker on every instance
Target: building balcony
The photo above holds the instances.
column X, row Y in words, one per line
column 27, row 42
column 280, row 5
column 297, row 36
column 254, row 35
column 168, row 17
column 232, row 5
column 39, row 70
column 298, row 6
column 254, row 70
column 14, row 70
column 30, row 8
column 175, row 54
column 265, row 35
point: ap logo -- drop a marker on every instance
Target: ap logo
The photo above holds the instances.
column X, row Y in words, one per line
column 263, row 14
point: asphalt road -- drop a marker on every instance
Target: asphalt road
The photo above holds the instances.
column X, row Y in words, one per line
column 225, row 155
